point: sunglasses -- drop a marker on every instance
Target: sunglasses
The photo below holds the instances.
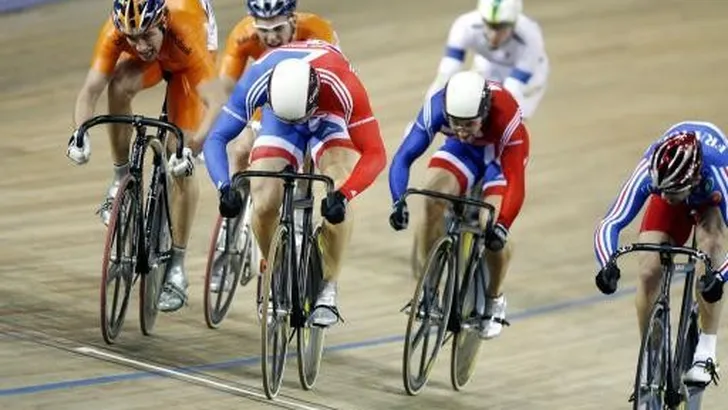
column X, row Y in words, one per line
column 498, row 26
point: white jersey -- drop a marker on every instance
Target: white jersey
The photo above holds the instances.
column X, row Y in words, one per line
column 520, row 63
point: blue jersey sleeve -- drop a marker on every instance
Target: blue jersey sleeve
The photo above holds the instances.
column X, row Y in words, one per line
column 625, row 208
column 249, row 94
column 418, row 138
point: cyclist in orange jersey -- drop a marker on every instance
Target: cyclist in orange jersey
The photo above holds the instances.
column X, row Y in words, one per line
column 141, row 41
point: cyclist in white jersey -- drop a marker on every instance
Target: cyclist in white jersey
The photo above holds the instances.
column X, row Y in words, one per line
column 508, row 48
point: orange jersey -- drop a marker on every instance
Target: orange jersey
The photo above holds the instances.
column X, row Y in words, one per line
column 190, row 6
column 184, row 48
column 243, row 42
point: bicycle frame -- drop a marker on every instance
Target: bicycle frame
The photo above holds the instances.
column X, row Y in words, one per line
column 676, row 358
column 289, row 203
column 141, row 141
column 456, row 228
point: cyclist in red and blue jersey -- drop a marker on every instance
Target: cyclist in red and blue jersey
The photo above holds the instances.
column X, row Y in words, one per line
column 486, row 139
column 683, row 179
column 311, row 99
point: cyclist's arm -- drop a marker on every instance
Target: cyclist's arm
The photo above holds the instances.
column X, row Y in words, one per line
column 106, row 54
column 213, row 95
column 230, row 122
column 235, row 57
column 513, row 164
column 367, row 139
column 531, row 62
column 723, row 207
column 86, row 100
column 623, row 210
column 415, row 143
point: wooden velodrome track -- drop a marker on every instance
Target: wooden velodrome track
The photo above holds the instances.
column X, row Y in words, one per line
column 622, row 71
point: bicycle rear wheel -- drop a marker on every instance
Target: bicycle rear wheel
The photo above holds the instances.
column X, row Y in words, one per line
column 159, row 250
column 119, row 261
column 228, row 262
column 310, row 339
column 429, row 313
column 650, row 386
column 276, row 311
column 466, row 342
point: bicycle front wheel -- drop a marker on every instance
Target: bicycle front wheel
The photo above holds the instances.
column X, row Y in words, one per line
column 228, row 259
column 275, row 312
column 119, row 261
column 429, row 312
column 466, row 342
column 651, row 379
column 310, row 339
column 159, row 251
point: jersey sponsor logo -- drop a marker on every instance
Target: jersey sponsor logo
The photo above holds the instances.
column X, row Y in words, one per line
column 180, row 43
column 711, row 140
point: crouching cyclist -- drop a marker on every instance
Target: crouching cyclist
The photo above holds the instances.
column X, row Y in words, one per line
column 682, row 177
column 485, row 139
column 141, row 40
column 312, row 100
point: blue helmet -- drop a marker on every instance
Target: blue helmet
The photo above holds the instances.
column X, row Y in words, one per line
column 266, row 9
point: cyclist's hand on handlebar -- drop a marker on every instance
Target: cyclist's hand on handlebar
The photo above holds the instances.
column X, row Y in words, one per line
column 496, row 237
column 711, row 287
column 182, row 167
column 399, row 218
column 333, row 207
column 79, row 156
column 607, row 279
column 231, row 203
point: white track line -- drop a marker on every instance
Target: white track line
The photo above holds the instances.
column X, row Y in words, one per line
column 177, row 374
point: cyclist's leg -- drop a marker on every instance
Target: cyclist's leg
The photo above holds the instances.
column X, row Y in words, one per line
column 277, row 145
column 494, row 185
column 130, row 76
column 186, row 109
column 711, row 235
column 661, row 223
column 243, row 144
column 452, row 170
column 335, row 156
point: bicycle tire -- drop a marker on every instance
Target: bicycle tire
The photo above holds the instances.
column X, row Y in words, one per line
column 466, row 342
column 310, row 339
column 657, row 326
column 231, row 261
column 159, row 250
column 276, row 288
column 122, row 231
column 440, row 256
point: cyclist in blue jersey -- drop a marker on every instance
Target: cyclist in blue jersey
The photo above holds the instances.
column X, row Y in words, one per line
column 681, row 176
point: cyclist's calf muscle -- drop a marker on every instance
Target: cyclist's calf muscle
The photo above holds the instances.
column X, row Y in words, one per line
column 266, row 195
column 337, row 163
column 240, row 149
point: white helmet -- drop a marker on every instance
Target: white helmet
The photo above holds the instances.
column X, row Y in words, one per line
column 500, row 11
column 467, row 96
column 293, row 90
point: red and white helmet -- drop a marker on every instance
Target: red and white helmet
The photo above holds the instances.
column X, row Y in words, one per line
column 676, row 163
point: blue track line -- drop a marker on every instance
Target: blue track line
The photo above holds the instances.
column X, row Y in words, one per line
column 115, row 378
